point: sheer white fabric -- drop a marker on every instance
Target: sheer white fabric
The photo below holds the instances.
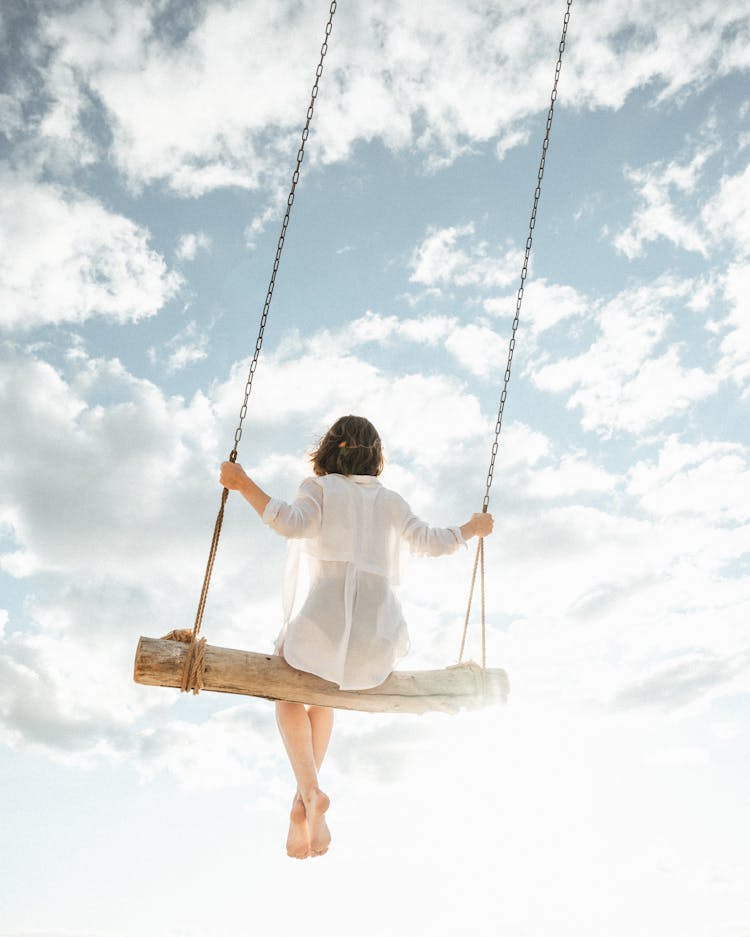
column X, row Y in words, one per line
column 350, row 629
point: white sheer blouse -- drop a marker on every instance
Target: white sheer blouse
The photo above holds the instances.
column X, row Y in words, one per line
column 350, row 629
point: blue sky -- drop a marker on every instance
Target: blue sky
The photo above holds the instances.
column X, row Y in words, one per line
column 145, row 151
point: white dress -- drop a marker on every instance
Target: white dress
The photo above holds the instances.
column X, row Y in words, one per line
column 350, row 629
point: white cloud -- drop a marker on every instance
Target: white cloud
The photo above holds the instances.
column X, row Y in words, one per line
column 544, row 305
column 52, row 134
column 622, row 381
column 66, row 683
column 662, row 387
column 680, row 681
column 418, row 415
column 657, row 215
column 11, row 114
column 400, row 74
column 453, row 257
column 186, row 347
column 710, row 479
column 727, row 214
column 161, row 99
column 479, row 349
column 629, row 48
column 629, row 594
column 99, row 467
column 236, row 746
column 573, row 475
column 429, row 329
column 510, row 140
column 704, row 293
column 189, row 245
column 63, row 144
column 65, row 258
column 273, row 211
column 659, row 186
column 735, row 346
column 722, row 219
column 476, row 347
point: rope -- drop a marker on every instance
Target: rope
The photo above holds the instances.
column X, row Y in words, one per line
column 193, row 668
column 512, row 343
column 478, row 563
column 468, row 604
column 192, row 676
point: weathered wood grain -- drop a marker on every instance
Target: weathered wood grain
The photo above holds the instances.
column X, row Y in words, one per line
column 463, row 686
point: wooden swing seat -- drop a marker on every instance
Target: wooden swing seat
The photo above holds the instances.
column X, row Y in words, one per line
column 160, row 662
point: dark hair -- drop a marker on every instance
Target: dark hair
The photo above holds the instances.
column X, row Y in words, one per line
column 350, row 447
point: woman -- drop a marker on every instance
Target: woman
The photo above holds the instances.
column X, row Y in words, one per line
column 350, row 629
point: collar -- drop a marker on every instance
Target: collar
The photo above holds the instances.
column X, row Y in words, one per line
column 363, row 479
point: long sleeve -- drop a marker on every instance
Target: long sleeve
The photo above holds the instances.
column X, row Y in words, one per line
column 302, row 518
column 424, row 540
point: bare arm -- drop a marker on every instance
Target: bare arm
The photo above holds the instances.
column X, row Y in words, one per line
column 235, row 478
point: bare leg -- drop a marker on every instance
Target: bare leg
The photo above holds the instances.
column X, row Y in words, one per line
column 298, row 838
column 321, row 722
column 296, row 726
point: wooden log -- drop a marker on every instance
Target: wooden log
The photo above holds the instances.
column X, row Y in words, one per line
column 159, row 663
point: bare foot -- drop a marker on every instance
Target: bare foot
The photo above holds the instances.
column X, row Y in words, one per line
column 298, row 840
column 320, row 837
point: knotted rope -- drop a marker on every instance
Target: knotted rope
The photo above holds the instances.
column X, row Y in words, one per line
column 195, row 660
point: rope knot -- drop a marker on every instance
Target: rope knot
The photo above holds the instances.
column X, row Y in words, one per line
column 193, row 669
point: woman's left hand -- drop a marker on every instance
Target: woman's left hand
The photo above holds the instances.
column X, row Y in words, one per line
column 233, row 476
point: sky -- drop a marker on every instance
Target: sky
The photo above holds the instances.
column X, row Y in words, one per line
column 145, row 153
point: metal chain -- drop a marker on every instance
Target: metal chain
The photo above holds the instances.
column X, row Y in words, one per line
column 527, row 254
column 282, row 236
column 479, row 558
column 259, row 343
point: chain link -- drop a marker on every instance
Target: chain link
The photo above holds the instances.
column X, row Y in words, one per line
column 282, row 235
column 258, row 345
column 526, row 256
column 479, row 558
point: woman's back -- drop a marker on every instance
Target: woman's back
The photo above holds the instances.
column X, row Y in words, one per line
column 350, row 629
column 361, row 523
